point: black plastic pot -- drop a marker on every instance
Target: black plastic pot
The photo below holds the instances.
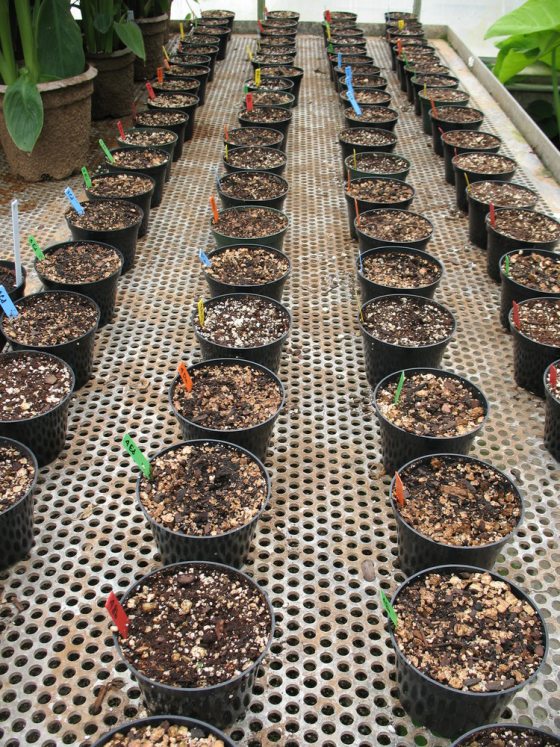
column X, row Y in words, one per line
column 339, row 73
column 143, row 201
column 498, row 245
column 273, row 202
column 347, row 149
column 78, row 353
column 280, row 143
column 512, row 291
column 551, row 417
column 369, row 289
column 446, row 711
column 255, row 438
column 462, row 174
column 222, row 38
column 268, row 355
column 272, row 289
column 295, row 77
column 210, row 52
column 426, row 108
column 364, row 205
column 530, row 731
column 399, row 446
column 227, row 16
column 275, row 240
column 201, row 73
column 155, row 720
column 189, row 110
column 388, row 124
column 222, row 704
column 103, row 292
column 231, row 548
column 417, row 551
column 16, row 293
column 440, row 125
column 169, row 148
column 451, row 150
column 124, row 239
column 365, row 241
column 530, row 358
column 143, row 120
column 382, row 358
column 44, row 434
column 231, row 168
column 479, row 210
column 158, row 173
column 282, row 125
column 16, row 522
column 447, row 81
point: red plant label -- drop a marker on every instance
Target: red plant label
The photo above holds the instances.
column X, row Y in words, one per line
column 328, row 16
column 516, row 317
column 150, row 90
column 399, row 490
column 214, row 207
column 185, row 376
column 492, row 214
column 249, row 102
column 553, row 376
column 226, row 133
column 121, row 129
column 159, row 73
column 117, row 614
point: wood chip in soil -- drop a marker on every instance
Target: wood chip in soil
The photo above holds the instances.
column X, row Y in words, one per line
column 458, row 502
column 51, row 318
column 159, row 119
column 119, row 185
column 367, row 136
column 216, row 626
column 469, row 631
column 79, row 263
column 164, row 734
column 228, row 397
column 470, row 139
column 246, row 265
column 259, row 157
column 250, row 223
column 365, row 96
column 538, row 271
column 252, row 136
column 503, row 194
column 378, row 163
column 265, row 114
column 105, row 215
column 16, row 475
column 141, row 158
column 395, row 225
column 503, row 736
column 484, row 163
column 432, row 404
column 525, row 225
column 7, row 278
column 31, row 384
column 247, row 185
column 399, row 270
column 245, row 322
column 458, row 114
column 540, row 320
column 203, row 490
column 385, row 191
column 407, row 321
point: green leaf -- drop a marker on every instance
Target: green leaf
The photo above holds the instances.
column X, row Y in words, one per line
column 102, row 22
column 60, row 50
column 510, row 62
column 23, row 112
column 131, row 36
column 534, row 15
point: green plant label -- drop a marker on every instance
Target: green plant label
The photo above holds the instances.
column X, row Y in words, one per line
column 399, row 389
column 137, row 455
column 87, row 180
column 389, row 609
column 106, row 150
column 36, row 248
column 506, row 266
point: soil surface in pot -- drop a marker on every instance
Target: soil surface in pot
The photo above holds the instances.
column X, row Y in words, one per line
column 140, row 159
column 203, row 490
column 120, row 185
column 271, row 58
column 79, row 263
column 447, row 95
column 502, row 195
column 379, row 190
column 164, row 734
column 458, row 114
column 180, row 64
column 395, row 225
column 368, row 81
column 265, row 114
column 172, row 86
column 16, row 475
column 105, row 215
column 434, row 81
column 379, row 163
column 174, row 100
column 458, row 502
column 432, row 405
column 501, row 736
column 250, row 223
column 31, row 385
column 526, row 226
column 150, row 139
column 371, row 114
column 51, row 319
column 468, row 631
column 256, row 158
column 228, row 397
column 406, row 322
column 247, row 266
column 8, row 278
column 396, row 269
column 247, row 185
column 270, row 98
column 484, row 163
column 252, row 136
column 358, row 69
column 470, row 139
column 281, row 71
column 537, row 271
column 371, row 97
column 425, row 66
column 159, row 119
column 244, row 322
column 540, row 320
column 367, row 136
column 186, row 71
column 216, row 625
column 272, row 84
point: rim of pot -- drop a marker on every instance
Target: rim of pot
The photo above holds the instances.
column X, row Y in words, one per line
column 26, row 452
column 447, row 456
column 442, row 373
column 385, row 179
column 63, row 401
column 541, row 252
column 454, row 161
column 512, row 727
column 272, row 249
column 139, row 213
column 474, row 198
column 520, row 332
column 225, row 362
column 526, row 210
column 478, row 132
column 389, row 249
column 229, row 175
column 400, row 210
column 456, row 106
column 249, row 238
column 173, row 720
column 50, row 249
column 121, row 173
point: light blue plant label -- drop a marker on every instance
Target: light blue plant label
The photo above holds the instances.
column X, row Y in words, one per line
column 73, row 200
column 348, row 71
column 6, row 303
column 203, row 257
column 340, row 59
column 353, row 101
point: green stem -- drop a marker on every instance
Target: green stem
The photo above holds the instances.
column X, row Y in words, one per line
column 23, row 13
column 555, row 89
column 8, row 67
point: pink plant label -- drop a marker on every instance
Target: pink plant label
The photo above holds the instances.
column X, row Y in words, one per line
column 117, row 614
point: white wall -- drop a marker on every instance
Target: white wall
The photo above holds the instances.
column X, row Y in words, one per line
column 468, row 17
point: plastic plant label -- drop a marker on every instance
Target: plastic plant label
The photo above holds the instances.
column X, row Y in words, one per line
column 159, row 74
column 226, row 133
column 226, row 152
column 388, row 607
column 36, row 248
column 121, row 130
column 185, row 376
column 6, row 303
column 106, row 150
column 73, row 200
column 261, row 27
column 399, row 46
column 468, row 182
column 203, row 257
column 249, row 52
column 15, row 234
column 166, row 64
column 328, row 16
column 137, row 456
column 348, row 72
column 245, row 89
column 356, row 209
column 400, row 24
column 426, row 91
column 516, row 317
column 165, row 53
column 339, row 58
column 249, row 102
column 330, row 49
column 433, row 105
column 399, row 389
column 354, row 103
column 553, row 376
column 150, row 90
column 493, row 215
column 258, row 76
column 328, row 30
column 117, row 614
column 399, row 490
column 214, row 207
column 87, row 178
column 354, row 158
column 181, row 30
column 506, row 266
column 200, row 309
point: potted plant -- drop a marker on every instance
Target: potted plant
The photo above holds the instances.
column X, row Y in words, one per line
column 111, row 44
column 152, row 17
column 45, row 98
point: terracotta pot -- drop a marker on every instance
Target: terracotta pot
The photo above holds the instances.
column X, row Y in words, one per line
column 63, row 144
column 113, row 89
column 153, row 31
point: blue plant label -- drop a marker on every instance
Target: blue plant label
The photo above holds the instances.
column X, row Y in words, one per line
column 354, row 103
column 348, row 70
column 203, row 257
column 73, row 200
column 340, row 59
column 6, row 303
